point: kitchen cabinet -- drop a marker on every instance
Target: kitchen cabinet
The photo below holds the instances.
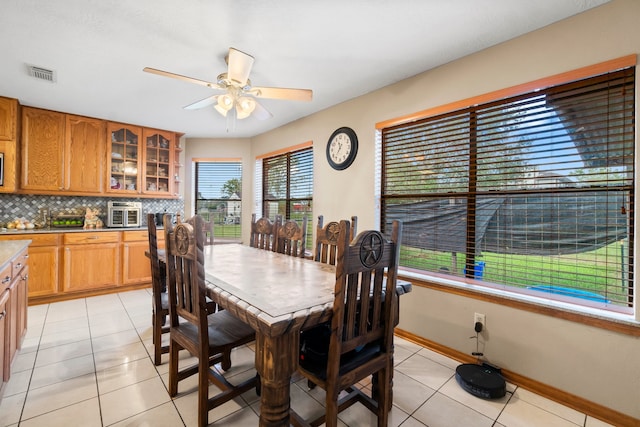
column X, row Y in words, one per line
column 44, row 260
column 62, row 152
column 91, row 260
column 136, row 265
column 18, row 303
column 84, row 155
column 8, row 119
column 42, row 150
column 158, row 160
column 14, row 274
column 123, row 158
column 9, row 143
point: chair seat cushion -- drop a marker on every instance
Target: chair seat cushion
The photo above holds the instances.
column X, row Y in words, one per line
column 314, row 351
column 224, row 329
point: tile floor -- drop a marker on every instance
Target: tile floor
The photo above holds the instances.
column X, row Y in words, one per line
column 86, row 362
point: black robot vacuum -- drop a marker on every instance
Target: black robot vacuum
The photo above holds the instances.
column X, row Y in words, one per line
column 484, row 381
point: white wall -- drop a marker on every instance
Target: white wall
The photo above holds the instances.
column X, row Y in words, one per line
column 595, row 364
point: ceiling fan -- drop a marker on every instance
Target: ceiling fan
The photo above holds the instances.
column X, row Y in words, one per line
column 239, row 97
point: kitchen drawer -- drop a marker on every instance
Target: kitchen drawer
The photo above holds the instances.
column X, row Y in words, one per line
column 19, row 262
column 5, row 277
column 135, row 236
column 91, row 237
column 37, row 239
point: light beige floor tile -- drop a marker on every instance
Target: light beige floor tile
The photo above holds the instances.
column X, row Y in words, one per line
column 442, row 411
column 187, row 405
column 63, row 352
column 109, row 323
column 59, row 395
column 439, row 358
column 119, row 355
column 62, row 371
column 426, row 371
column 126, row 374
column 359, row 416
column 489, row 408
column 114, row 340
column 243, row 417
column 18, row 383
column 132, row 400
column 64, row 310
column 548, row 405
column 35, row 329
column 165, row 415
column 11, row 408
column 64, row 326
column 409, row 394
column 593, row 422
column 30, row 345
column 519, row 413
column 85, row 413
column 412, row 422
column 62, row 338
column 23, row 361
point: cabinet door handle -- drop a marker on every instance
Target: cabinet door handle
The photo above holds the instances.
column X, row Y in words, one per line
column 25, row 277
column 26, row 256
column 94, row 237
column 2, row 314
column 19, row 265
column 6, row 279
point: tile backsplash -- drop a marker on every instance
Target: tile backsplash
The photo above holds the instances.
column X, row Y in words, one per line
column 27, row 206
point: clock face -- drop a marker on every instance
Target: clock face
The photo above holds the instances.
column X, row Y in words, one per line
column 342, row 148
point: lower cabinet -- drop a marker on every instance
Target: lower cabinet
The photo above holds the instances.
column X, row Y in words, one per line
column 4, row 336
column 136, row 266
column 91, row 260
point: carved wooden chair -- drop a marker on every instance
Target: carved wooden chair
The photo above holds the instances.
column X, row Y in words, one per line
column 360, row 335
column 292, row 238
column 160, row 300
column 263, row 233
column 208, row 336
column 327, row 239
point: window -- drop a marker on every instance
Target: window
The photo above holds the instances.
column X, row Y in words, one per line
column 532, row 193
column 218, row 187
column 287, row 186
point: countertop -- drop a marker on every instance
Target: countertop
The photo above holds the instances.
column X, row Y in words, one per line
column 11, row 248
column 13, row 232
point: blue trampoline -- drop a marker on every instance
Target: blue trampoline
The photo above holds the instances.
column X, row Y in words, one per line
column 569, row 292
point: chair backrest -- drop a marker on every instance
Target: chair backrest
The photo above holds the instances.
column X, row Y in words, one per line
column 327, row 239
column 207, row 229
column 158, row 275
column 185, row 266
column 292, row 238
column 365, row 292
column 263, row 233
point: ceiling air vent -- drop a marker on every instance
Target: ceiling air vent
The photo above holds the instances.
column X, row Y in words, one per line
column 42, row 73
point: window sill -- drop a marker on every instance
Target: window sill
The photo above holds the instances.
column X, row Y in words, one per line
column 592, row 316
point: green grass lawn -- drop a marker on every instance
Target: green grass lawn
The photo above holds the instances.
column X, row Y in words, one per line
column 598, row 271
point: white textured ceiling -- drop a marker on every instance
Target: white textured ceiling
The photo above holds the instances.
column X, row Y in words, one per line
column 338, row 48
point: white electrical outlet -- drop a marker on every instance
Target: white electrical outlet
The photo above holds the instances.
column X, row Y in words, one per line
column 479, row 318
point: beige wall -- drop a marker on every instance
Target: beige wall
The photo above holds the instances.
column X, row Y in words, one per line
column 595, row 364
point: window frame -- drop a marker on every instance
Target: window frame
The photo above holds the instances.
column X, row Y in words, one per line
column 441, row 282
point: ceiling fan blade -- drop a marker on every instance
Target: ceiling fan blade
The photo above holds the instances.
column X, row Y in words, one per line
column 239, row 66
column 202, row 103
column 181, row 77
column 261, row 113
column 283, row 93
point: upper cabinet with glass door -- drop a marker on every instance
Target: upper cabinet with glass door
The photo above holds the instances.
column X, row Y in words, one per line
column 124, row 158
column 158, row 160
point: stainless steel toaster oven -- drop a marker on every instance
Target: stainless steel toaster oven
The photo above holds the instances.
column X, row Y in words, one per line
column 124, row 214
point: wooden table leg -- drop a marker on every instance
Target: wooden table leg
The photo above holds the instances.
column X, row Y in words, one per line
column 276, row 360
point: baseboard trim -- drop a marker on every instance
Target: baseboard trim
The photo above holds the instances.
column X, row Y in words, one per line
column 85, row 294
column 593, row 409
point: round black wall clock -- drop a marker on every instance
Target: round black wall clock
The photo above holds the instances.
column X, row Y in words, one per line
column 342, row 148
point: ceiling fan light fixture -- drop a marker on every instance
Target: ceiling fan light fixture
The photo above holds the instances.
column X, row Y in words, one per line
column 245, row 106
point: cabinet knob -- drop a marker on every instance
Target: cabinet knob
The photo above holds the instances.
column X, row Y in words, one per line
column 18, row 265
column 25, row 277
column 2, row 314
column 6, row 279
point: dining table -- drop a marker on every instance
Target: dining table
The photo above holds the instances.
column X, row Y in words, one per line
column 278, row 296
